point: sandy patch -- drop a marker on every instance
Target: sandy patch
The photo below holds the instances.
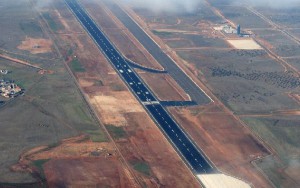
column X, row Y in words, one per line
column 113, row 107
column 85, row 82
column 245, row 44
column 73, row 147
column 221, row 181
column 36, row 46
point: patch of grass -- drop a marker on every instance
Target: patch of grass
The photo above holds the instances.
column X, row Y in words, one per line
column 30, row 28
column 142, row 167
column 76, row 66
column 97, row 135
column 117, row 87
column 282, row 134
column 53, row 145
column 161, row 33
column 70, row 51
column 52, row 24
column 98, row 83
column 80, row 111
column 39, row 165
column 116, row 132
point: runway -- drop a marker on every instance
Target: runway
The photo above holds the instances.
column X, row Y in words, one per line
column 169, row 65
column 192, row 155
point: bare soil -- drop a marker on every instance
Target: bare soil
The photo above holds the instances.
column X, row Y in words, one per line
column 84, row 173
column 220, row 134
column 72, row 164
column 247, row 44
column 36, row 46
column 165, row 87
column 114, row 105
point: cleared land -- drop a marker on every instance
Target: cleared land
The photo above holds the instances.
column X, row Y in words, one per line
column 112, row 107
column 245, row 44
column 165, row 87
column 36, row 46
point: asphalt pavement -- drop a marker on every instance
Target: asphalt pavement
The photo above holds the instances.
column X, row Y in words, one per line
column 185, row 82
column 179, row 139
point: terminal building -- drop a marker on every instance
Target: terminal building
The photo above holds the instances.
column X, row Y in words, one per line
column 229, row 30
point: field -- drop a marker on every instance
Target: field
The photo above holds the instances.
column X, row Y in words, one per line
column 282, row 133
column 250, row 131
column 140, row 147
column 284, row 17
column 257, row 86
column 280, row 43
column 52, row 108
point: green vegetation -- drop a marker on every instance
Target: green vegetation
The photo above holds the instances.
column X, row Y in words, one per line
column 59, row 112
column 39, row 165
column 142, row 167
column 52, row 24
column 97, row 135
column 82, row 113
column 76, row 66
column 161, row 33
column 70, row 51
column 116, row 132
column 98, row 83
column 53, row 145
column 282, row 134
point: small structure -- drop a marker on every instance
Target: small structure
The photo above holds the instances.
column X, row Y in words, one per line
column 36, row 46
column 238, row 30
column 4, row 71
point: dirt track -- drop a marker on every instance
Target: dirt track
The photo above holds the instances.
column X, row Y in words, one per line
column 20, row 61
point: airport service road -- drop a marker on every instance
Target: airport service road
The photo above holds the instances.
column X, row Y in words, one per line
column 192, row 155
column 169, row 65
